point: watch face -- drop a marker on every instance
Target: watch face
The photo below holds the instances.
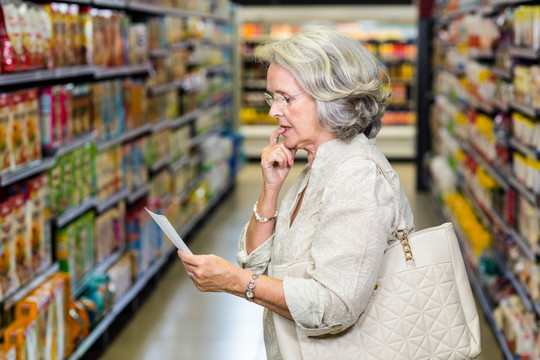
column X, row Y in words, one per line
column 250, row 294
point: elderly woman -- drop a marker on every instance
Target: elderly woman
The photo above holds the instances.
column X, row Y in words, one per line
column 329, row 94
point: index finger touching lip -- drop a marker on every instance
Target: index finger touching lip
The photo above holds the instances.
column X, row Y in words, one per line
column 274, row 136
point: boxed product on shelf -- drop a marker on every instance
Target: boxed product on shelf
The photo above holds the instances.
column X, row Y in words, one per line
column 8, row 277
column 58, row 287
column 527, row 26
column 6, row 150
column 18, row 128
column 141, row 235
column 121, row 276
column 33, row 123
column 527, row 171
column 23, row 246
column 81, row 110
column 526, row 130
column 528, row 222
column 108, row 43
column 75, row 248
column 134, row 166
column 109, row 232
column 108, row 109
column 72, row 179
column 41, row 229
column 134, row 96
column 40, row 306
column 517, row 325
column 8, row 352
column 56, row 106
column 138, row 44
column 23, row 334
column 109, row 175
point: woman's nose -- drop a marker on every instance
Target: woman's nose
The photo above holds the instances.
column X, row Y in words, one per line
column 275, row 111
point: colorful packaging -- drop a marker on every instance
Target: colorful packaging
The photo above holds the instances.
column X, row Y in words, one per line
column 66, row 112
column 38, row 240
column 39, row 306
column 10, row 39
column 33, row 122
column 81, row 115
column 6, row 151
column 29, row 37
column 45, row 35
column 23, row 334
column 18, row 128
column 8, row 280
column 23, row 248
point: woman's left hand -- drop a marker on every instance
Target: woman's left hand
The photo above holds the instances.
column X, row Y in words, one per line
column 211, row 273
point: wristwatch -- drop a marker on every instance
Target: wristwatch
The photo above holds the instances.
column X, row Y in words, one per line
column 250, row 293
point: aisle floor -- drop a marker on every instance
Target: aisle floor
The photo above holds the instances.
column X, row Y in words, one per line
column 179, row 322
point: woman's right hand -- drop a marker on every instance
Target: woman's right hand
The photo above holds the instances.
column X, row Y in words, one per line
column 276, row 161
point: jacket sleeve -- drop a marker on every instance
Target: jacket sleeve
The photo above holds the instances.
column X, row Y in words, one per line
column 258, row 260
column 356, row 219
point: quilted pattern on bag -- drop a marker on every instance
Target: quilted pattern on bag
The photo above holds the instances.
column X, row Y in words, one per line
column 411, row 315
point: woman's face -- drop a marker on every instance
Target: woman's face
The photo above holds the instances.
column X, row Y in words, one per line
column 299, row 118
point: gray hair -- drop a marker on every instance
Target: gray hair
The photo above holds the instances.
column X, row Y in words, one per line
column 346, row 80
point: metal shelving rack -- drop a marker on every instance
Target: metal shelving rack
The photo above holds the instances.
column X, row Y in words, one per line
column 86, row 73
column 502, row 174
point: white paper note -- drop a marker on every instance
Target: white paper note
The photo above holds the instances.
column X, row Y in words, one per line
column 169, row 230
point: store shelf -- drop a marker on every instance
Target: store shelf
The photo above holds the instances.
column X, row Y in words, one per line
column 75, row 144
column 488, row 313
column 165, row 88
column 127, row 70
column 102, row 267
column 524, row 191
column 184, row 119
column 496, row 174
column 106, row 322
column 34, row 76
column 125, row 137
column 25, row 171
column 529, row 305
column 525, row 53
column 138, row 194
column 113, row 4
column 159, row 164
column 180, row 163
column 112, row 200
column 11, row 299
column 524, row 149
column 505, row 74
column 445, row 215
column 74, row 212
column 525, row 109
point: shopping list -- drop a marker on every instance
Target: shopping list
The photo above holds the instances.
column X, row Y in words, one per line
column 169, row 230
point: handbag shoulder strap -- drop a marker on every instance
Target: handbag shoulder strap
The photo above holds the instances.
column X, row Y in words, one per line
column 402, row 225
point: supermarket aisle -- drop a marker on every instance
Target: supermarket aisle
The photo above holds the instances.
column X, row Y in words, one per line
column 178, row 322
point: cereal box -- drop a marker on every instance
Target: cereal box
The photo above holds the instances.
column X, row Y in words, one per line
column 8, row 280
column 23, row 250
column 6, row 152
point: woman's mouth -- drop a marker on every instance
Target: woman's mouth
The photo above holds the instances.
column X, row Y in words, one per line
column 285, row 129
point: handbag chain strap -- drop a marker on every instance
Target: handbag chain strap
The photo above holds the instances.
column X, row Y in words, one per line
column 403, row 237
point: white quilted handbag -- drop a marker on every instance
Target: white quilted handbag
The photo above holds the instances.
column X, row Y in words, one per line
column 423, row 307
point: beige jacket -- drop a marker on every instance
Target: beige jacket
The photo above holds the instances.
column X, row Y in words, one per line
column 348, row 214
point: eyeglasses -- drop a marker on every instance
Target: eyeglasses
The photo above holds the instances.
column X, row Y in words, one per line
column 280, row 100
